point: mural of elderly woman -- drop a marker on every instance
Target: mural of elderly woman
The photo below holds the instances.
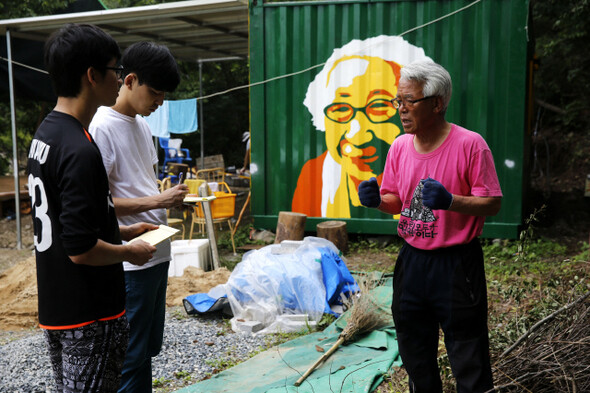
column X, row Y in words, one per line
column 350, row 100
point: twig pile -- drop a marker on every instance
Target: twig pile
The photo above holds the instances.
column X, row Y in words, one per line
column 553, row 356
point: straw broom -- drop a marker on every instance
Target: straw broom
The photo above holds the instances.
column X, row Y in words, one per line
column 365, row 316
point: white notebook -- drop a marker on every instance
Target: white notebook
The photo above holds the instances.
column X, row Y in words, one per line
column 157, row 235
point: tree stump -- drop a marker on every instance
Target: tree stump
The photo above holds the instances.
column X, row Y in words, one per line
column 290, row 226
column 334, row 231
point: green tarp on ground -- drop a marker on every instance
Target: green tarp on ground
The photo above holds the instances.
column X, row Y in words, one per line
column 356, row 367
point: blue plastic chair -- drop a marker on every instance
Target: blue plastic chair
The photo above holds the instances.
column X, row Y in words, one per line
column 173, row 155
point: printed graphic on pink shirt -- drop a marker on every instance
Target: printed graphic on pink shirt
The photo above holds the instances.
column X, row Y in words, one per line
column 418, row 220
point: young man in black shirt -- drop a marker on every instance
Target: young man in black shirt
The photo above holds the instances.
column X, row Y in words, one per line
column 78, row 246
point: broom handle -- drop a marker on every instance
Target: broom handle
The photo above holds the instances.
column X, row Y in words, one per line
column 319, row 361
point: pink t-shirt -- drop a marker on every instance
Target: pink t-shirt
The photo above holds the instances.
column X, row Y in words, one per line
column 463, row 164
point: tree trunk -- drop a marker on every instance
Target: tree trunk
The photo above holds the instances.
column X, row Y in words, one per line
column 290, row 226
column 334, row 231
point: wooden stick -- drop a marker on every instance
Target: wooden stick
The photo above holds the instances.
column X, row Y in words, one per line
column 240, row 216
column 320, row 361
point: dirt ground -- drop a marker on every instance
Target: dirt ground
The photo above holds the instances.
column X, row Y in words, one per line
column 18, row 291
column 18, row 288
column 18, row 282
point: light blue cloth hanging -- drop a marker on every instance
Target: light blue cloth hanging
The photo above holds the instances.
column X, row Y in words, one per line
column 182, row 116
column 177, row 117
column 158, row 121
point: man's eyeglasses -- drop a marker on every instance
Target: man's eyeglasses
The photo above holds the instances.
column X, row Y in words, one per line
column 397, row 102
column 377, row 111
column 118, row 70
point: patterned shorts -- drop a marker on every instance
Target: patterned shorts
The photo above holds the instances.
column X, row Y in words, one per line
column 89, row 358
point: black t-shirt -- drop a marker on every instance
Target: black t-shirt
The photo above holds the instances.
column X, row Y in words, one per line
column 72, row 209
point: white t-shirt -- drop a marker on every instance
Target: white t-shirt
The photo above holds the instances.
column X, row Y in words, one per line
column 129, row 157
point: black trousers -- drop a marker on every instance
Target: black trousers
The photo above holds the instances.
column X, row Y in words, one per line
column 446, row 288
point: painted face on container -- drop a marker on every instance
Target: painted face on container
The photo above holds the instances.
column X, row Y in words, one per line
column 350, row 100
column 359, row 121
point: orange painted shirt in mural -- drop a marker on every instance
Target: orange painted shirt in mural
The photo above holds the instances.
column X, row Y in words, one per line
column 307, row 198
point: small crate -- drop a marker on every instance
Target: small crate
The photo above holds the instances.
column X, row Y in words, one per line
column 222, row 206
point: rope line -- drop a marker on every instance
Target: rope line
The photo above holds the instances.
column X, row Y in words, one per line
column 322, row 64
column 25, row 65
column 296, row 72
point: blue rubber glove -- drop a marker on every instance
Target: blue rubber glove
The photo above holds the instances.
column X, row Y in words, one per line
column 435, row 195
column 369, row 193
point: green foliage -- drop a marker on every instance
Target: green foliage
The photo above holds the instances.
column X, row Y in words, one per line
column 528, row 279
column 230, row 263
column 387, row 244
column 584, row 254
column 498, row 249
column 502, row 257
column 178, row 313
column 160, row 382
column 227, row 360
column 520, row 301
column 241, row 238
column 11, row 9
column 110, row 4
column 184, row 375
column 29, row 114
column 325, row 321
column 273, row 339
column 527, row 254
column 562, row 32
column 444, row 365
column 224, row 327
column 224, row 117
column 527, row 233
column 364, row 247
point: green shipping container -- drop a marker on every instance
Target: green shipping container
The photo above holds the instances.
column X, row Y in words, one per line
column 301, row 52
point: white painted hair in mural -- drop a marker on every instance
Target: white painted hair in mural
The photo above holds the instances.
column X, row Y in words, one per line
column 321, row 91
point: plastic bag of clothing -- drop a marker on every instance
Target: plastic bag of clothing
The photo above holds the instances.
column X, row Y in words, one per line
column 281, row 279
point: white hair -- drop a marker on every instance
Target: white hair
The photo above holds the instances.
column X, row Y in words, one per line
column 321, row 91
column 435, row 79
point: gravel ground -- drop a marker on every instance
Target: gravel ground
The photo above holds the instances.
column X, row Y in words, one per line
column 192, row 347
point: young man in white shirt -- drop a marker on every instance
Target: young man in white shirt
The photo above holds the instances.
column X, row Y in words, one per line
column 129, row 156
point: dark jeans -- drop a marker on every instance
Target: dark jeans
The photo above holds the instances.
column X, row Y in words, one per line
column 446, row 288
column 146, row 311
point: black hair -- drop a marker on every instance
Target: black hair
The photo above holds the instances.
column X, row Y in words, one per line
column 71, row 50
column 153, row 64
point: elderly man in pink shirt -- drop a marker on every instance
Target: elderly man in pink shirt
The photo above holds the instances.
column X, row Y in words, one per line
column 442, row 181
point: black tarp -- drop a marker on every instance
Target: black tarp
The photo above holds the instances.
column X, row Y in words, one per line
column 29, row 83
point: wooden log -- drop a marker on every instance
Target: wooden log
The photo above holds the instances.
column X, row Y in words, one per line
column 290, row 226
column 334, row 231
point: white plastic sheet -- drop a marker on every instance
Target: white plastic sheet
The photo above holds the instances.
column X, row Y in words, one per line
column 277, row 281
